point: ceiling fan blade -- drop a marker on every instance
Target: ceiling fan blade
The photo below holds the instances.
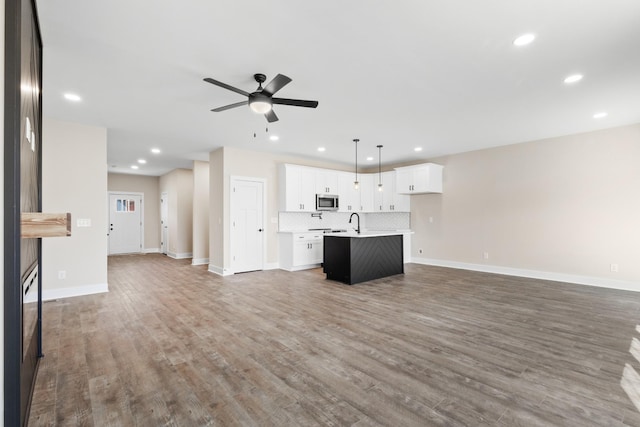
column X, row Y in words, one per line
column 295, row 102
column 276, row 84
column 226, row 86
column 230, row 106
column 271, row 116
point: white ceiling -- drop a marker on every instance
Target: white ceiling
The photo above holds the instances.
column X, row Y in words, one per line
column 443, row 75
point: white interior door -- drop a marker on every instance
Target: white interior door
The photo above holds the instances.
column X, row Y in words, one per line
column 247, row 225
column 164, row 222
column 125, row 224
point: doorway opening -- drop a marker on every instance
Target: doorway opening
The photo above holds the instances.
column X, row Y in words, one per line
column 164, row 222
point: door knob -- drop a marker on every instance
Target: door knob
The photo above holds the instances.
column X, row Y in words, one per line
column 260, row 230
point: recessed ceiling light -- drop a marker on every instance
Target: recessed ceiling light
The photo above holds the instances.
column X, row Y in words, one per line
column 369, row 158
column 321, row 149
column 142, row 161
column 134, row 166
column 72, row 97
column 600, row 115
column 155, row 150
column 417, row 149
column 573, row 78
column 274, row 137
column 524, row 39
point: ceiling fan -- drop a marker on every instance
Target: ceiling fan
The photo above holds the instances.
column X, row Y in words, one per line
column 261, row 100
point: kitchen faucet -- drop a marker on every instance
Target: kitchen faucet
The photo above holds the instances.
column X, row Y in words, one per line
column 357, row 216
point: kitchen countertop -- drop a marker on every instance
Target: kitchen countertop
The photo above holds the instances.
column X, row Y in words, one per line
column 352, row 233
column 371, row 233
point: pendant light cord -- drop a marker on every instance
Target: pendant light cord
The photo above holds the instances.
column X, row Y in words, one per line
column 379, row 165
column 356, row 184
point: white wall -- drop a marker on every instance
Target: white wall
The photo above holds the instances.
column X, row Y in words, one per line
column 568, row 206
column 79, row 187
column 226, row 162
column 217, row 208
column 150, row 187
column 564, row 208
column 200, row 213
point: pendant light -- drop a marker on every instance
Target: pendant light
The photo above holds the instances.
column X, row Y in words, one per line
column 379, row 168
column 356, row 184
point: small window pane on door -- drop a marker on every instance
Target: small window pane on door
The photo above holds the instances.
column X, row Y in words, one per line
column 125, row 205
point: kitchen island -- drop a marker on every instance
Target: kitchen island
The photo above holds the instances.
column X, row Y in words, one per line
column 354, row 258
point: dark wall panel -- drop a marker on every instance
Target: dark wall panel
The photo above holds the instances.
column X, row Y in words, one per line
column 22, row 193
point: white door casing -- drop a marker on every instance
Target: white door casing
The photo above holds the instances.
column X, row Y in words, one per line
column 164, row 222
column 125, row 223
column 247, row 234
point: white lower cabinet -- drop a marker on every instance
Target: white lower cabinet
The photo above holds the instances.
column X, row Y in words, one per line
column 406, row 247
column 300, row 251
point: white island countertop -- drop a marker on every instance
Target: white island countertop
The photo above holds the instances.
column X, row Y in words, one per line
column 370, row 233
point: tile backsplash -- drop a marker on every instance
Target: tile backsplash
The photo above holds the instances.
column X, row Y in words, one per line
column 389, row 221
column 295, row 221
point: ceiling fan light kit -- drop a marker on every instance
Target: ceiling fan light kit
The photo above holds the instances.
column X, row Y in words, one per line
column 261, row 101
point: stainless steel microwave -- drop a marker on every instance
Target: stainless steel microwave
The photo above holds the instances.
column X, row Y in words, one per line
column 326, row 202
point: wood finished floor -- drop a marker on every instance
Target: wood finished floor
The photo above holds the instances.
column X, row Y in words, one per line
column 174, row 345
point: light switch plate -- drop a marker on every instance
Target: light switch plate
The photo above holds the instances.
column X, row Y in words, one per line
column 83, row 222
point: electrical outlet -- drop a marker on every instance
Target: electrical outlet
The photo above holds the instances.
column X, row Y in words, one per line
column 431, row 219
column 62, row 274
column 614, row 268
column 485, row 255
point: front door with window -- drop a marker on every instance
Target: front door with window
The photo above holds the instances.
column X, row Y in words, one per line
column 125, row 224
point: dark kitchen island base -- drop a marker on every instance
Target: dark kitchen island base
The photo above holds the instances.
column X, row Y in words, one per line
column 358, row 259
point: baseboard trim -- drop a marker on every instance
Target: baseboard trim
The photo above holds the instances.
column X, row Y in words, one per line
column 271, row 266
column 199, row 261
column 600, row 282
column 76, row 291
column 219, row 270
column 182, row 255
column 301, row 267
column 152, row 250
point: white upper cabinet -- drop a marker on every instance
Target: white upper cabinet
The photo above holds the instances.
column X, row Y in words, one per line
column 367, row 188
column 349, row 196
column 298, row 186
column 297, row 192
column 424, row 178
column 326, row 181
column 388, row 200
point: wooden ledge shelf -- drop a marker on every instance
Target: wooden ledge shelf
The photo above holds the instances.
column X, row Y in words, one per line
column 40, row 224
